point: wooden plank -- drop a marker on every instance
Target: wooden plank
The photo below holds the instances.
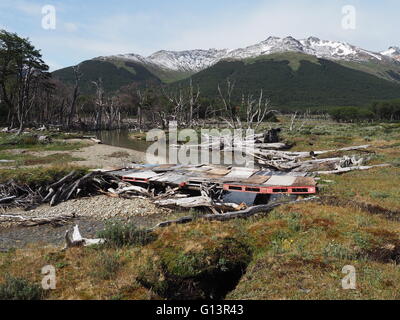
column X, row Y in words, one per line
column 240, row 173
column 141, row 175
column 282, row 181
column 256, row 180
column 304, row 181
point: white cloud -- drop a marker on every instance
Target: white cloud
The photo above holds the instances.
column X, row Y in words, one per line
column 26, row 7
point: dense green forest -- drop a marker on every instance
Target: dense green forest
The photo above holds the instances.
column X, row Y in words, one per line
column 325, row 83
column 113, row 76
column 378, row 110
column 289, row 80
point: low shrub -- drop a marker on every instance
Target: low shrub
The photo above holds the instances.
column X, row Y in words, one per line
column 121, row 234
column 106, row 266
column 20, row 289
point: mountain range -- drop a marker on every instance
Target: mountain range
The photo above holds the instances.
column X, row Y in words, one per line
column 375, row 74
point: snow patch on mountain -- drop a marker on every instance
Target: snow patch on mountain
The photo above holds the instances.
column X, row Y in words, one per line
column 197, row 60
column 392, row 52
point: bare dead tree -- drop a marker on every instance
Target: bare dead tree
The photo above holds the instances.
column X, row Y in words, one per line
column 185, row 104
column 298, row 121
column 256, row 110
column 112, row 110
column 177, row 100
column 99, row 103
column 230, row 116
column 142, row 105
column 72, row 109
column 193, row 102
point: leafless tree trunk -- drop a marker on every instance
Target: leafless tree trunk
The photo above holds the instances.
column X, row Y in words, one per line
column 99, row 103
column 297, row 121
column 75, row 95
column 228, row 106
column 256, row 110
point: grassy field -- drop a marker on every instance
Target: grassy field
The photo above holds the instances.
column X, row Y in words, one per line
column 26, row 150
column 295, row 252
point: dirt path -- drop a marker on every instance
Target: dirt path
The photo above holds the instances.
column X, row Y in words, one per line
column 93, row 155
column 103, row 156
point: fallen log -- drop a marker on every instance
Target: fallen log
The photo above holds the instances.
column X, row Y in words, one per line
column 96, row 140
column 67, row 178
column 344, row 170
column 7, row 199
column 28, row 221
column 291, row 155
column 243, row 214
column 131, row 189
column 192, row 202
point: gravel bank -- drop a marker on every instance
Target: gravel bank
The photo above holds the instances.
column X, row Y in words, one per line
column 99, row 208
column 92, row 213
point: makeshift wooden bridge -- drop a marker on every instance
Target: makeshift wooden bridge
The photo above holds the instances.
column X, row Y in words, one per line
column 231, row 179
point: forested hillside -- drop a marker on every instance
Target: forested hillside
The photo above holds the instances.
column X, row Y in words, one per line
column 311, row 83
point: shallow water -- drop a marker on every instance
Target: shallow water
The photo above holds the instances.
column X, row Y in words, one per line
column 121, row 138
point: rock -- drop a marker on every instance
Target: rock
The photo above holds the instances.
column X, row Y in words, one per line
column 44, row 139
column 272, row 136
column 42, row 128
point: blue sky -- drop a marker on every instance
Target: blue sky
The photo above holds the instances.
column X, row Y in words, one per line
column 91, row 28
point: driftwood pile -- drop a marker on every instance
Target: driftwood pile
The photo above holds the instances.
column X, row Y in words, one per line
column 268, row 152
column 69, row 187
column 15, row 195
column 288, row 161
column 210, row 198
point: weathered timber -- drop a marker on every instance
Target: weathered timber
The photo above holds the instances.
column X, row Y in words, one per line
column 345, row 170
column 244, row 214
column 28, row 221
column 74, row 239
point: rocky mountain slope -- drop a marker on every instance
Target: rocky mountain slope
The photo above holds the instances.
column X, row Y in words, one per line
column 196, row 60
column 325, row 72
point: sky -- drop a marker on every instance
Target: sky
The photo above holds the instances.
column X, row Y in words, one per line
column 85, row 29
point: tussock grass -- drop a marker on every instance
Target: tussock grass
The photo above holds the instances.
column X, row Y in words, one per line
column 31, row 143
column 119, row 234
column 40, row 176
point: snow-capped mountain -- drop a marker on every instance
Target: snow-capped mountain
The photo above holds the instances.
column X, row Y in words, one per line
column 392, row 52
column 197, row 60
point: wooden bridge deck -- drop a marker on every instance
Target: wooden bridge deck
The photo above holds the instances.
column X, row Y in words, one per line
column 230, row 179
